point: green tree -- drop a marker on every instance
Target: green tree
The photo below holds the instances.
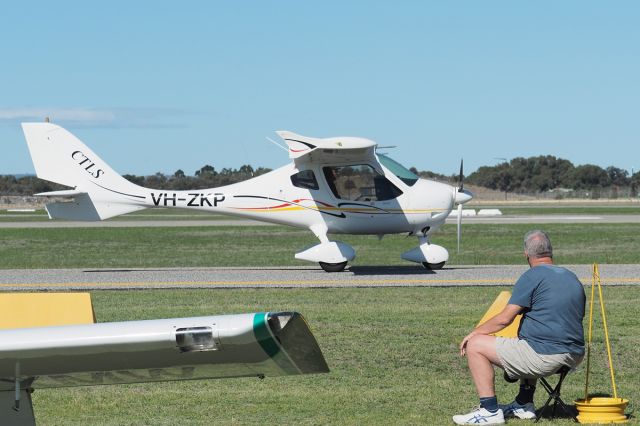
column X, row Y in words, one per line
column 206, row 171
column 618, row 176
column 157, row 181
column 246, row 170
column 589, row 176
column 138, row 180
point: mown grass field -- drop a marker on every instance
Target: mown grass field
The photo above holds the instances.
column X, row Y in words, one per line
column 392, row 353
column 40, row 215
column 22, row 248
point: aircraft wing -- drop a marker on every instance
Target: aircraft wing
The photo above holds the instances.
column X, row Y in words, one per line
column 260, row 344
column 305, row 149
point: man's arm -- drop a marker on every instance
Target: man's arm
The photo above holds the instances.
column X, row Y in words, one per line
column 494, row 324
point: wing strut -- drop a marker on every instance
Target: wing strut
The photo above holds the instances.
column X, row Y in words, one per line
column 16, row 406
column 20, row 413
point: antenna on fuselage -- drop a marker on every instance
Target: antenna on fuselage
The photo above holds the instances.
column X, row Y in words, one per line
column 384, row 147
column 276, row 143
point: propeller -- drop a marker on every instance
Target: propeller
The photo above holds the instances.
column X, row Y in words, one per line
column 461, row 197
column 459, row 225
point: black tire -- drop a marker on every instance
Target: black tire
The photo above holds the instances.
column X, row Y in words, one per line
column 433, row 266
column 333, row 267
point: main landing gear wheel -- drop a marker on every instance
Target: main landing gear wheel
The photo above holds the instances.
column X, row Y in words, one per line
column 433, row 266
column 333, row 267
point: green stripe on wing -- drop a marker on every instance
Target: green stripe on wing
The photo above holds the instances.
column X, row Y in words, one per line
column 270, row 344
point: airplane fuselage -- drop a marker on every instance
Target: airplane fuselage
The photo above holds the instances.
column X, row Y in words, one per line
column 273, row 198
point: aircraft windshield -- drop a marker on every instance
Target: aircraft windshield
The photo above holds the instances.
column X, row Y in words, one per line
column 404, row 174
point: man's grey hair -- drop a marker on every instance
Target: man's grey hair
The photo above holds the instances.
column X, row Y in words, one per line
column 537, row 244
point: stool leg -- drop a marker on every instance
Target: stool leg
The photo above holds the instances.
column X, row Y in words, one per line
column 546, row 404
column 554, row 393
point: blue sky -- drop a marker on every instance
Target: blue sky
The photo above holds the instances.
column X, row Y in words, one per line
column 161, row 86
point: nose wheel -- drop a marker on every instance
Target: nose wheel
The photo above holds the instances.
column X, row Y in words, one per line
column 333, row 267
column 433, row 266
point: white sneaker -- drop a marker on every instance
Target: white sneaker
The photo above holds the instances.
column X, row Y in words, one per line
column 526, row 411
column 479, row 416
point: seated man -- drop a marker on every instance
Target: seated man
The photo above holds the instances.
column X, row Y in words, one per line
column 552, row 302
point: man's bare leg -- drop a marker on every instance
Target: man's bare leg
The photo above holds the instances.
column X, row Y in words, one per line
column 481, row 357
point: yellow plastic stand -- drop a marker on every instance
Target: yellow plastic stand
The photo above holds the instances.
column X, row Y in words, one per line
column 600, row 409
column 496, row 307
column 24, row 310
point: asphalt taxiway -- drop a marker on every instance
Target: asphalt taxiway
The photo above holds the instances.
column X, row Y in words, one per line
column 289, row 277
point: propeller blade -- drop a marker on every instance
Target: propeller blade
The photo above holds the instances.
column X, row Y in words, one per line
column 461, row 177
column 459, row 225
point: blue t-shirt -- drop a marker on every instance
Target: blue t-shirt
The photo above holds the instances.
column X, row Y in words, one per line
column 553, row 300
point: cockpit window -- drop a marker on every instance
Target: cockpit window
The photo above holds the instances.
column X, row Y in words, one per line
column 404, row 174
column 359, row 183
column 305, row 179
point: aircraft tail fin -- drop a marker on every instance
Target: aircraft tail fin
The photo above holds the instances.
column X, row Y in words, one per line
column 98, row 191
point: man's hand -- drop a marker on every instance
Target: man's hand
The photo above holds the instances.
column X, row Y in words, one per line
column 463, row 344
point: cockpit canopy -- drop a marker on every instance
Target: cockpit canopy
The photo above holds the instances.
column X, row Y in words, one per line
column 404, row 174
column 358, row 182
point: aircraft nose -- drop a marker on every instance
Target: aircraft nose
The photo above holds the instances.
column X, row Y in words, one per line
column 462, row 196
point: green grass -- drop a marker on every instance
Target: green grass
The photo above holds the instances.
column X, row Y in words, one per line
column 36, row 216
column 392, row 353
column 6, row 212
column 40, row 215
column 22, row 248
column 160, row 213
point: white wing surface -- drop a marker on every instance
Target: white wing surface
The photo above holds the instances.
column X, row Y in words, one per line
column 339, row 149
column 260, row 344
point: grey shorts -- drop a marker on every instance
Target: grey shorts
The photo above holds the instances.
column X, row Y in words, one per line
column 519, row 360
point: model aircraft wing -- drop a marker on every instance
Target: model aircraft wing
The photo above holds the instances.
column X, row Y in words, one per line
column 261, row 344
column 306, row 149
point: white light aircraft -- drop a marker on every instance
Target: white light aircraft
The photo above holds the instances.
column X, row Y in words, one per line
column 338, row 185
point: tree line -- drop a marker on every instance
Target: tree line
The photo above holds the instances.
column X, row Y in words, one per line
column 520, row 175
column 205, row 177
column 546, row 172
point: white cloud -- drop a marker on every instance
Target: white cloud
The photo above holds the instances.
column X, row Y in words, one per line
column 95, row 117
column 80, row 115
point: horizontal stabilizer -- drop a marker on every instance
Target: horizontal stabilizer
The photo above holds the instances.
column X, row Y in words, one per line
column 63, row 193
column 83, row 208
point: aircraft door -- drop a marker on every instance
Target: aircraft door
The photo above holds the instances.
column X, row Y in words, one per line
column 360, row 183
